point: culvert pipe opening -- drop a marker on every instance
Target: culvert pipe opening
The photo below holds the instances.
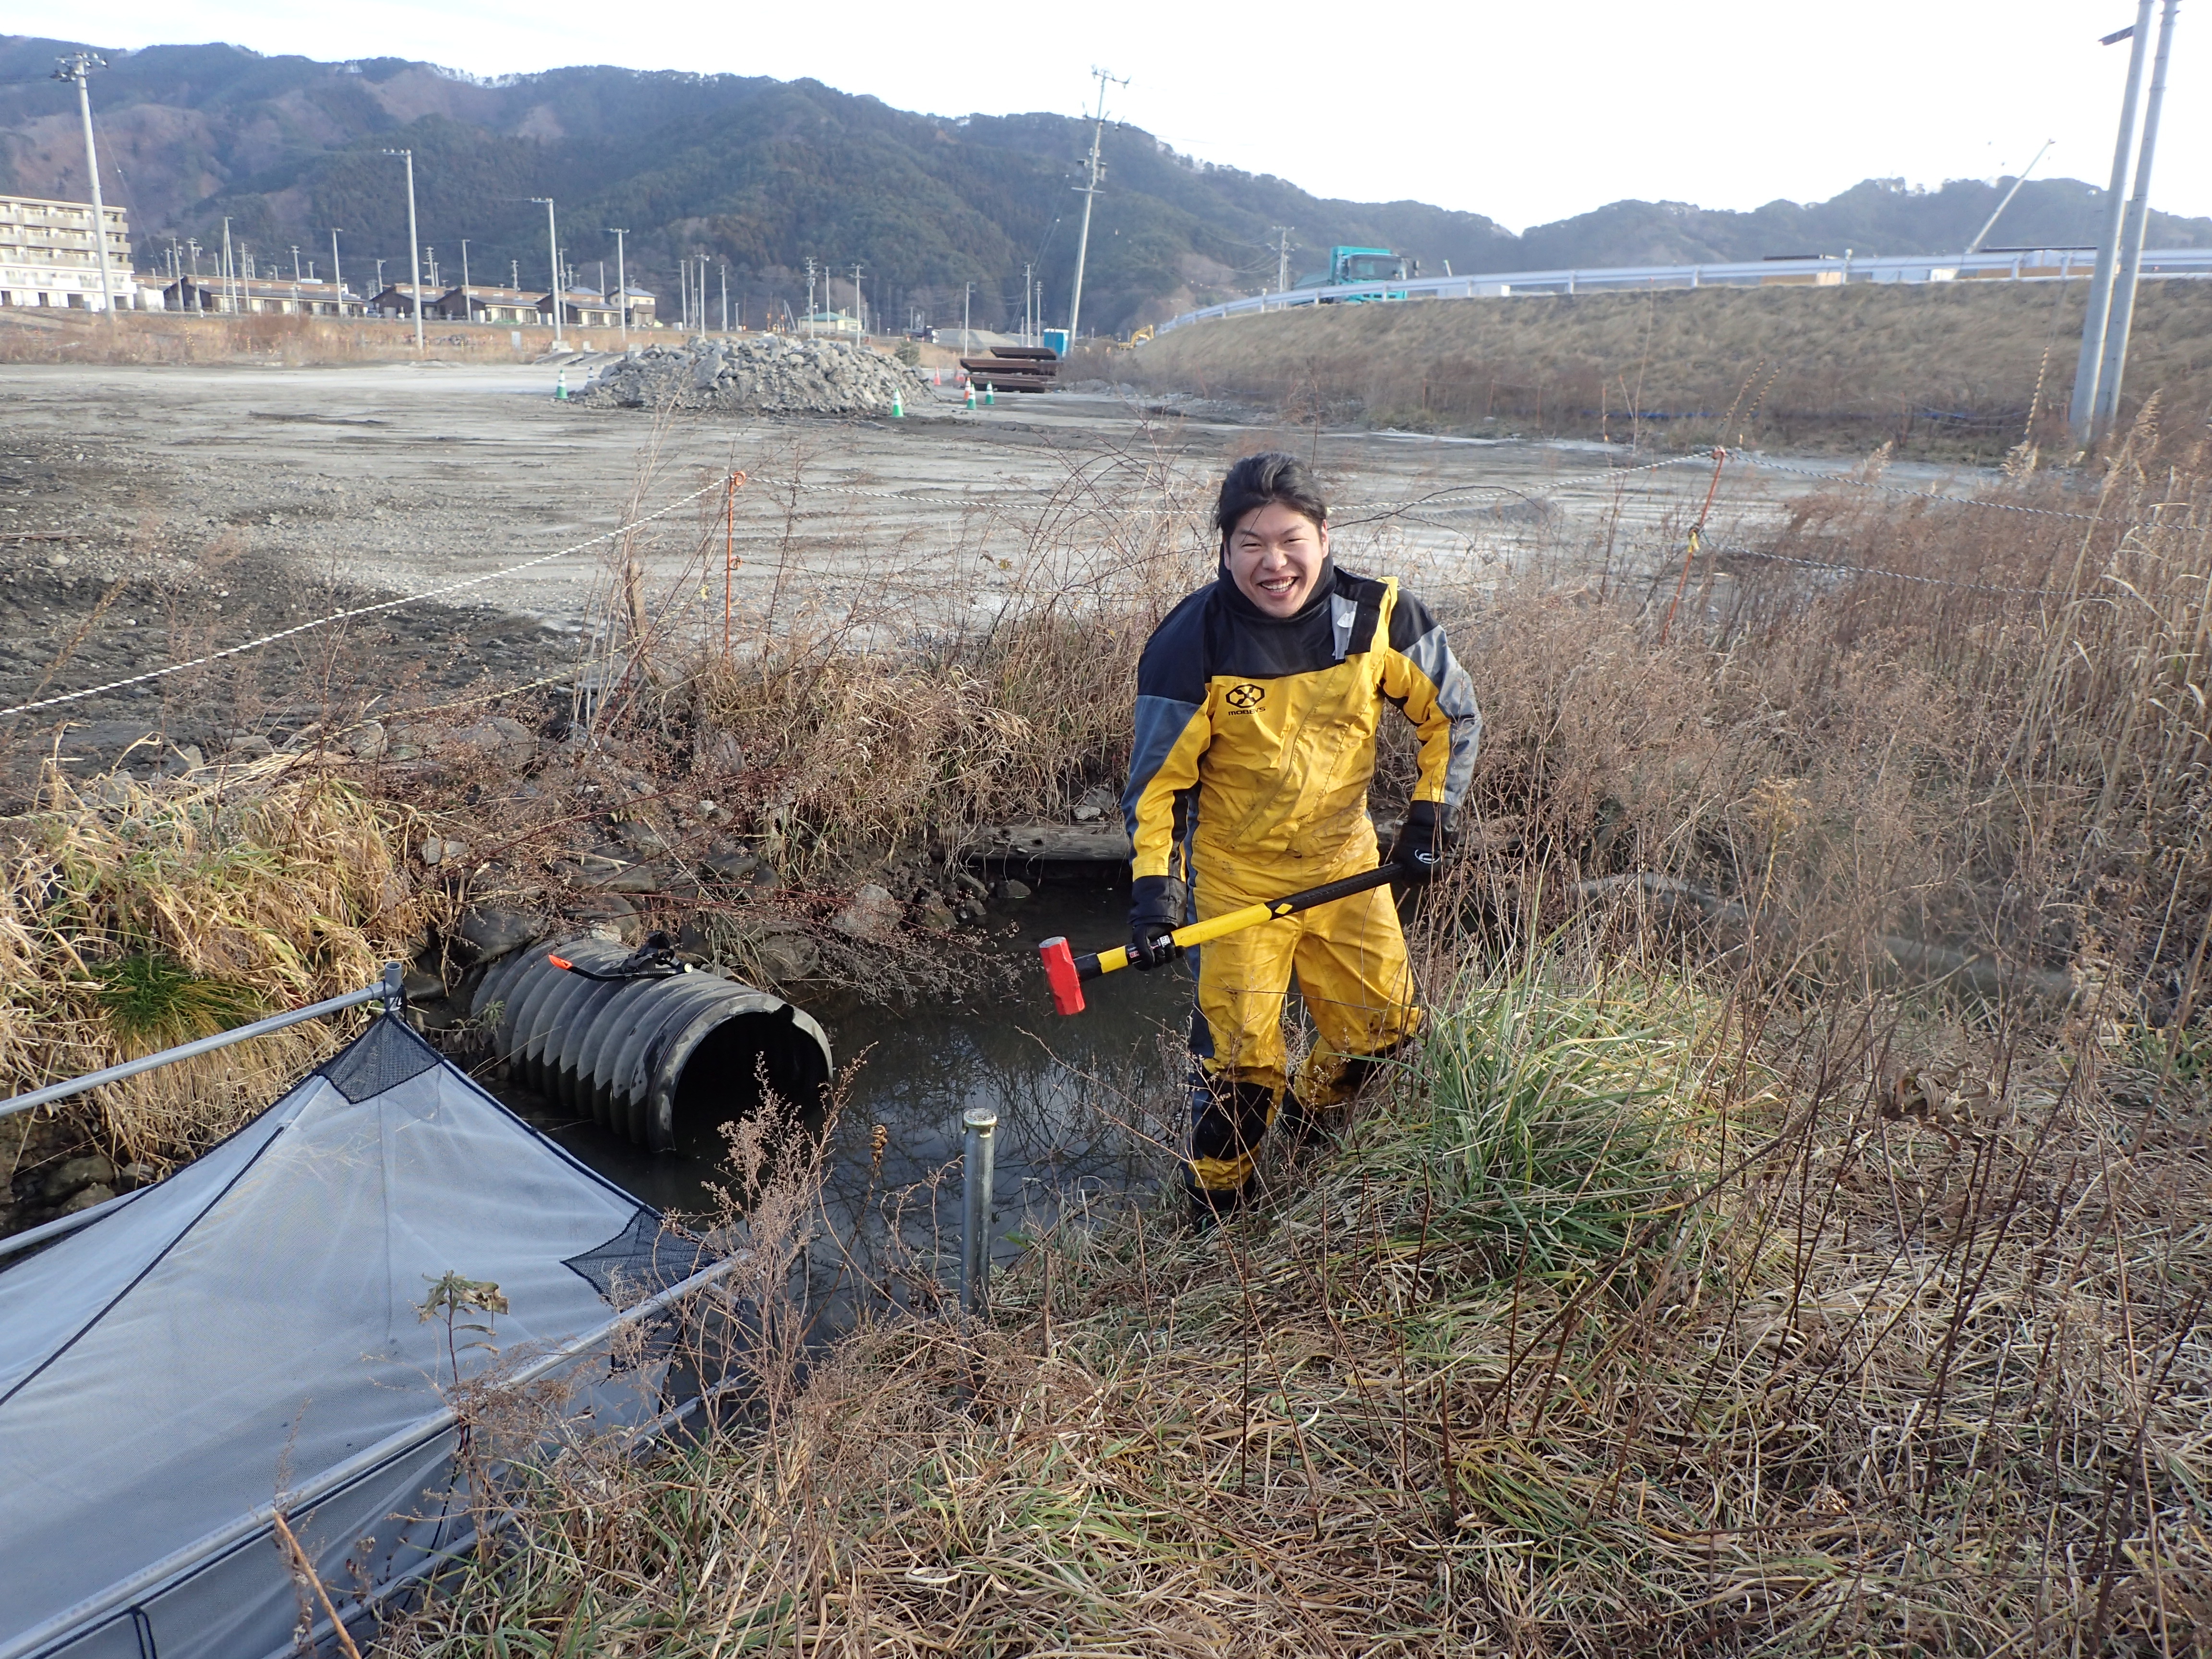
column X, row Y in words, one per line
column 663, row 1062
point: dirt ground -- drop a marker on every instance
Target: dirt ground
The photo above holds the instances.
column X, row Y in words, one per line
column 152, row 515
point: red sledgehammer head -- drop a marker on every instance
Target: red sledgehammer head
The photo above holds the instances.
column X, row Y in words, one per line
column 1059, row 973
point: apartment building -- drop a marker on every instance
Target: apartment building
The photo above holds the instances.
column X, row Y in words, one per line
column 48, row 257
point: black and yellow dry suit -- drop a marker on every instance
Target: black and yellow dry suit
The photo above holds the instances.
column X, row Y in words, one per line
column 1254, row 745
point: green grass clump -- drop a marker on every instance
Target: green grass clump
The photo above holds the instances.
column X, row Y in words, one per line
column 1556, row 1119
column 154, row 1002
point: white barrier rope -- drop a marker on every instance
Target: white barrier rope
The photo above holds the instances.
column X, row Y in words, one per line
column 360, row 610
column 1441, row 501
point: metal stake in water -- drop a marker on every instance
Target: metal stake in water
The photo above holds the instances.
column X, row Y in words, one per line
column 982, row 1123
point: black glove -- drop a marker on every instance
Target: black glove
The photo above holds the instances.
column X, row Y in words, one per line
column 1156, row 909
column 1422, row 844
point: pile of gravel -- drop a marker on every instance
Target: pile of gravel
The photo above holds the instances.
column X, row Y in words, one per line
column 763, row 372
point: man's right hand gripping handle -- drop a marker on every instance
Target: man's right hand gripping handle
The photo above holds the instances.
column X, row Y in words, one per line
column 1155, row 910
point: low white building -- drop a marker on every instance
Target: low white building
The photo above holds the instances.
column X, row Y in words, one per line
column 215, row 295
column 48, row 257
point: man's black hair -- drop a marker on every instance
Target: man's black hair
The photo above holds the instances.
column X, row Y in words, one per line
column 1257, row 480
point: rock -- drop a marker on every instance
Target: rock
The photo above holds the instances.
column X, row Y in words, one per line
column 489, row 932
column 759, row 371
column 1010, row 888
column 772, row 949
column 499, row 738
column 1093, row 804
column 632, row 878
column 443, row 850
column 97, row 1193
column 932, row 916
column 609, row 915
column 433, row 1014
column 179, row 762
column 969, row 911
column 731, row 866
column 131, row 1176
column 786, row 956
column 105, row 739
column 369, row 743
column 251, row 747
column 872, row 916
column 74, row 1175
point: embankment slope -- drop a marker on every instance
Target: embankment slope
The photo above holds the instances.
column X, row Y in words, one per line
column 1961, row 368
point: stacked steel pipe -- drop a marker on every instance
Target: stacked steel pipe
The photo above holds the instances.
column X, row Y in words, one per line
column 1014, row 368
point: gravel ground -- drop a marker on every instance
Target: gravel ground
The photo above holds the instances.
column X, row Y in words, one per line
column 150, row 515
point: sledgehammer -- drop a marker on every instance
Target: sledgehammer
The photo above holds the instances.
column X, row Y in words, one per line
column 1065, row 971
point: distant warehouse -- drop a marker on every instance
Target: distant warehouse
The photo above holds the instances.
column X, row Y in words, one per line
column 48, row 257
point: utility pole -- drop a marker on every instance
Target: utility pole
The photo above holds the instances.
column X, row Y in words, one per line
column 553, row 253
column 2082, row 414
column 78, row 67
column 967, row 294
column 1283, row 257
column 860, row 313
column 295, row 261
column 622, row 280
column 414, row 246
column 430, row 259
column 229, row 271
column 1989, row 224
column 2115, row 365
column 1089, row 194
column 199, row 300
column 810, row 295
column 338, row 271
column 726, row 296
column 1028, row 297
column 464, row 274
column 380, row 277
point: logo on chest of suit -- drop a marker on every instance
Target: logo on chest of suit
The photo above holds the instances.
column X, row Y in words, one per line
column 1246, row 696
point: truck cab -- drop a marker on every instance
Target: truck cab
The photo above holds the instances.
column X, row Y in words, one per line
column 1349, row 266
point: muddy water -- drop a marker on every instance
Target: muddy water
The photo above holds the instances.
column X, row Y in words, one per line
column 1088, row 1112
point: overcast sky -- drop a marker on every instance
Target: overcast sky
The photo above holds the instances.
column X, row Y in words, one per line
column 1528, row 113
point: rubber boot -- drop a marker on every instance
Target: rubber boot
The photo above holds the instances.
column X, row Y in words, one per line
column 1208, row 1209
column 1302, row 1131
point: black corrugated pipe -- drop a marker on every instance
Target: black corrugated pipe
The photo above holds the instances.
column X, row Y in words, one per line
column 655, row 1059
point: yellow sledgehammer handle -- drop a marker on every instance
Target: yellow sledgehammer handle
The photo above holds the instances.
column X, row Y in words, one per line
column 1064, row 972
column 1198, row 933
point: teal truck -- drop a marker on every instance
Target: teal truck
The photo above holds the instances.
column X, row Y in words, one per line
column 1348, row 266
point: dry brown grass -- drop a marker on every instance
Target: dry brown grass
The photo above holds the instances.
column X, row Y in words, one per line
column 54, row 335
column 1948, row 369
column 863, row 703
column 1777, row 1376
column 1702, row 1288
column 143, row 916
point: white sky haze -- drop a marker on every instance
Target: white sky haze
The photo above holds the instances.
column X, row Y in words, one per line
column 1527, row 112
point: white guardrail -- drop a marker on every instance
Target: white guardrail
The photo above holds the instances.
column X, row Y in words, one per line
column 2007, row 264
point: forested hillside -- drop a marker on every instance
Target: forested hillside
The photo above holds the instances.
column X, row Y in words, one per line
column 761, row 175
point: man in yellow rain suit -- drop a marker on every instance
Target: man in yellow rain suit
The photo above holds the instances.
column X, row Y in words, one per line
column 1257, row 703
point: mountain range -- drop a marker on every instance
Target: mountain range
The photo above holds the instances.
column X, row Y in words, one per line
column 761, row 175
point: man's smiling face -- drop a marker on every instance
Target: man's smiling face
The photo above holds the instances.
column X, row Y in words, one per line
column 1275, row 554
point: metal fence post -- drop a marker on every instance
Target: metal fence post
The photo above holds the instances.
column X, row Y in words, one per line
column 980, row 1123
